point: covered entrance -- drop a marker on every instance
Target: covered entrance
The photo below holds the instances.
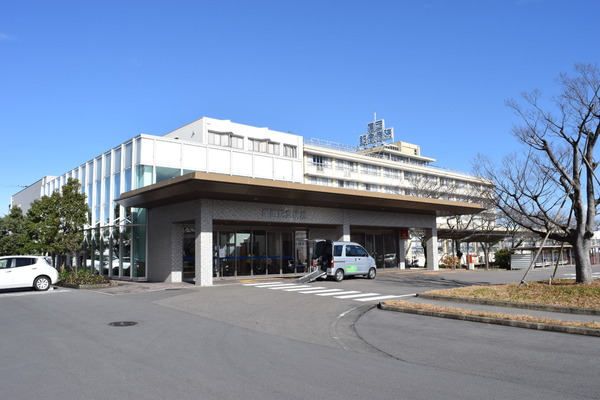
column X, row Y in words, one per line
column 248, row 250
column 232, row 226
column 383, row 246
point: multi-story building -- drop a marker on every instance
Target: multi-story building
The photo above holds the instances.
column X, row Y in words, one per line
column 215, row 198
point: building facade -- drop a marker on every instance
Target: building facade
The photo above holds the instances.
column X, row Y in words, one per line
column 215, row 199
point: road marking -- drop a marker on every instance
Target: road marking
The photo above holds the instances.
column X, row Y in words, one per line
column 320, row 291
column 338, row 293
column 303, row 287
column 279, row 287
column 259, row 283
column 378, row 298
column 33, row 293
column 263, row 284
column 324, row 291
column 352, row 296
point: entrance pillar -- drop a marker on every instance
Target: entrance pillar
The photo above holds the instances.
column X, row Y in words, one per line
column 176, row 253
column 401, row 251
column 432, row 248
column 204, row 247
column 345, row 228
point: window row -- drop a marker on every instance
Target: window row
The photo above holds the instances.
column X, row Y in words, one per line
column 228, row 139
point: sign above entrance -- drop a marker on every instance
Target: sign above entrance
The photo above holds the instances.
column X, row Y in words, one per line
column 283, row 214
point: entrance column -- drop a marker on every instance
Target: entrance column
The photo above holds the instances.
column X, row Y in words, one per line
column 176, row 253
column 401, row 251
column 432, row 248
column 204, row 246
column 345, row 228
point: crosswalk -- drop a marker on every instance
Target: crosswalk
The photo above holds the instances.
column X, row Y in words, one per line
column 325, row 292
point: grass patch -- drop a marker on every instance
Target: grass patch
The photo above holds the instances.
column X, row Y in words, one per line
column 526, row 318
column 564, row 292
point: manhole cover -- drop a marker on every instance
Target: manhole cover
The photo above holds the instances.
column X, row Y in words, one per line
column 123, row 323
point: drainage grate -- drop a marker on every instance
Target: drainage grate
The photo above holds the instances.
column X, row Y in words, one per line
column 123, row 323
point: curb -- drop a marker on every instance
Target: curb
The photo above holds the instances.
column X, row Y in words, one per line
column 527, row 306
column 497, row 321
column 86, row 286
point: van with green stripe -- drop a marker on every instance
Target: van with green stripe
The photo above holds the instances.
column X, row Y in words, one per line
column 338, row 259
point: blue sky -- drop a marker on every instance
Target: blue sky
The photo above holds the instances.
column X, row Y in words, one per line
column 80, row 77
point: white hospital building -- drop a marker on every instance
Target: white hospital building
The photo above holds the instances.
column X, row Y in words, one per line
column 216, row 199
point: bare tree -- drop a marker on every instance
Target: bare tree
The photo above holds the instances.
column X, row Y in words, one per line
column 463, row 227
column 550, row 188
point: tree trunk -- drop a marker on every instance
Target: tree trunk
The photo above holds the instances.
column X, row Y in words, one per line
column 583, row 264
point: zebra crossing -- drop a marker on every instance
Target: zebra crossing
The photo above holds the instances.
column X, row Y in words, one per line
column 324, row 291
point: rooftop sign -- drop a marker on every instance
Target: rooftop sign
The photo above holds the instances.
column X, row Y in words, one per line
column 376, row 134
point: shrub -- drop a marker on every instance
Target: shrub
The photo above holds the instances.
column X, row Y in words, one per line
column 82, row 277
column 502, row 258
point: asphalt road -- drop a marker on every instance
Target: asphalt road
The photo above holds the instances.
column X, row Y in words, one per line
column 235, row 341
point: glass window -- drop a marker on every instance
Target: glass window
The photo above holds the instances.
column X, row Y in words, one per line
column 22, row 262
column 226, row 139
column 107, row 164
column 337, row 250
column 98, row 168
column 118, row 160
column 117, row 185
column 143, row 175
column 89, row 195
column 127, row 183
column 164, row 173
column 128, row 154
column 290, row 151
column 369, row 169
column 259, row 145
column 107, row 190
column 90, row 171
column 273, row 148
column 98, row 192
column 237, row 142
column 83, row 176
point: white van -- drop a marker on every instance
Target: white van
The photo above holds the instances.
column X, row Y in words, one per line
column 338, row 259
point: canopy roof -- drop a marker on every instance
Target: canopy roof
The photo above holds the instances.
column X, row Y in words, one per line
column 197, row 185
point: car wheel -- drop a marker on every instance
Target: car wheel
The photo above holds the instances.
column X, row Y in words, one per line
column 339, row 275
column 372, row 273
column 41, row 283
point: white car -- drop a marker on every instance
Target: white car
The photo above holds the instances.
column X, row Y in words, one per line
column 26, row 271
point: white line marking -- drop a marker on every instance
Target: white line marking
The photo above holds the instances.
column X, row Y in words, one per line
column 261, row 283
column 276, row 285
column 320, row 291
column 279, row 287
column 19, row 294
column 338, row 293
column 378, row 298
column 351, row 296
column 304, row 287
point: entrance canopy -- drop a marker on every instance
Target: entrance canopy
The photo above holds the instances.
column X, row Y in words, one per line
column 197, row 185
column 472, row 235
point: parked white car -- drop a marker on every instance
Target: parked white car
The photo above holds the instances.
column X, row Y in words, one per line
column 26, row 271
